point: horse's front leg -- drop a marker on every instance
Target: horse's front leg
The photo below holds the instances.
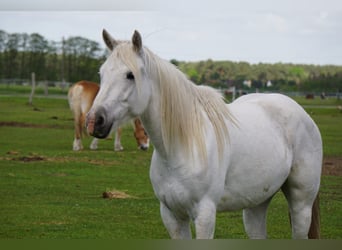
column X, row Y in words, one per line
column 205, row 219
column 177, row 228
column 93, row 144
column 117, row 140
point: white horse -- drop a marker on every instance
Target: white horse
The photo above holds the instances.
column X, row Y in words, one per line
column 210, row 156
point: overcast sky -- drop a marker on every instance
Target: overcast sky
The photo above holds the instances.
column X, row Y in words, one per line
column 269, row 31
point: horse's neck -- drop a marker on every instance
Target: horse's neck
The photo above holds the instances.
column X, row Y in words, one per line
column 152, row 124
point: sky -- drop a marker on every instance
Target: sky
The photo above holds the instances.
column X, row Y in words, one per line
column 254, row 31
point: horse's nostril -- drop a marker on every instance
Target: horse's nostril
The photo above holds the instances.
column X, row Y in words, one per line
column 99, row 121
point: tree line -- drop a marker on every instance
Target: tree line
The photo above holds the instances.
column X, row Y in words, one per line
column 76, row 58
column 278, row 76
column 71, row 59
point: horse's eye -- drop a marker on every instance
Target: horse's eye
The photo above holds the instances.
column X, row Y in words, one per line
column 130, row 76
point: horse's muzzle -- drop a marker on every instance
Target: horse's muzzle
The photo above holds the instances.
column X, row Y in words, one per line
column 97, row 124
column 143, row 147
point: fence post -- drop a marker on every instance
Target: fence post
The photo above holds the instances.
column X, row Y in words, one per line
column 33, row 78
column 46, row 88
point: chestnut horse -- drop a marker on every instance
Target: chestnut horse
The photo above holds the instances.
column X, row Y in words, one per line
column 81, row 96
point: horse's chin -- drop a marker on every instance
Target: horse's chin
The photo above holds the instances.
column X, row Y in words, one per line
column 102, row 132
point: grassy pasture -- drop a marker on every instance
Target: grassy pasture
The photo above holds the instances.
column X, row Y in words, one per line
column 48, row 191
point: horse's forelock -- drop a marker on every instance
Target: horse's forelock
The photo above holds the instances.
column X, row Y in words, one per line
column 128, row 56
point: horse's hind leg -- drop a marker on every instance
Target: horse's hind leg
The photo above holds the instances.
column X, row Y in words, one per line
column 300, row 213
column 254, row 220
column 301, row 189
column 77, row 144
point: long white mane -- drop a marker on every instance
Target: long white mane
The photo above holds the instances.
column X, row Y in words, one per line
column 183, row 106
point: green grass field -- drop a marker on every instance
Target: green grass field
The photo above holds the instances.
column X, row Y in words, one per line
column 50, row 192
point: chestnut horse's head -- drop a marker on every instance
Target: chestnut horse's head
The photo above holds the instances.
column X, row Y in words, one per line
column 140, row 135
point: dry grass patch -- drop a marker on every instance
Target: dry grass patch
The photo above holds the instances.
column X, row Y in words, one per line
column 117, row 194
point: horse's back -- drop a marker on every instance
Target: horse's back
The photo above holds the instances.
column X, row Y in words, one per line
column 299, row 129
column 83, row 88
column 287, row 114
column 82, row 94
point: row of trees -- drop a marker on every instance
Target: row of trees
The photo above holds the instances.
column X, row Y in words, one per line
column 77, row 58
column 71, row 59
column 279, row 76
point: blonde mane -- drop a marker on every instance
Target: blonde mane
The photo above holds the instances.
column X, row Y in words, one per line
column 183, row 105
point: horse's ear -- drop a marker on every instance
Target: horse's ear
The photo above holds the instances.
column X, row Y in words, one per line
column 109, row 40
column 137, row 42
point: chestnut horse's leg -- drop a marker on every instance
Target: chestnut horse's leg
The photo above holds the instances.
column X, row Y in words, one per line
column 78, row 121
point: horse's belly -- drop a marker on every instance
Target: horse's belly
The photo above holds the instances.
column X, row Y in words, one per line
column 234, row 198
column 250, row 185
column 260, row 162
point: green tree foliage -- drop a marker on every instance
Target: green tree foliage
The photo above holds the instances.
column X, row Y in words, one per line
column 284, row 77
column 77, row 58
column 73, row 59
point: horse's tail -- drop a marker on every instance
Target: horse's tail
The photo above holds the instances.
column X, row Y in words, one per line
column 314, row 231
column 74, row 99
column 71, row 97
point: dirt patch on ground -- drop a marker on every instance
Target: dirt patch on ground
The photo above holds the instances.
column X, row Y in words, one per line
column 32, row 157
column 332, row 165
column 21, row 125
column 25, row 158
column 28, row 125
column 29, row 158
